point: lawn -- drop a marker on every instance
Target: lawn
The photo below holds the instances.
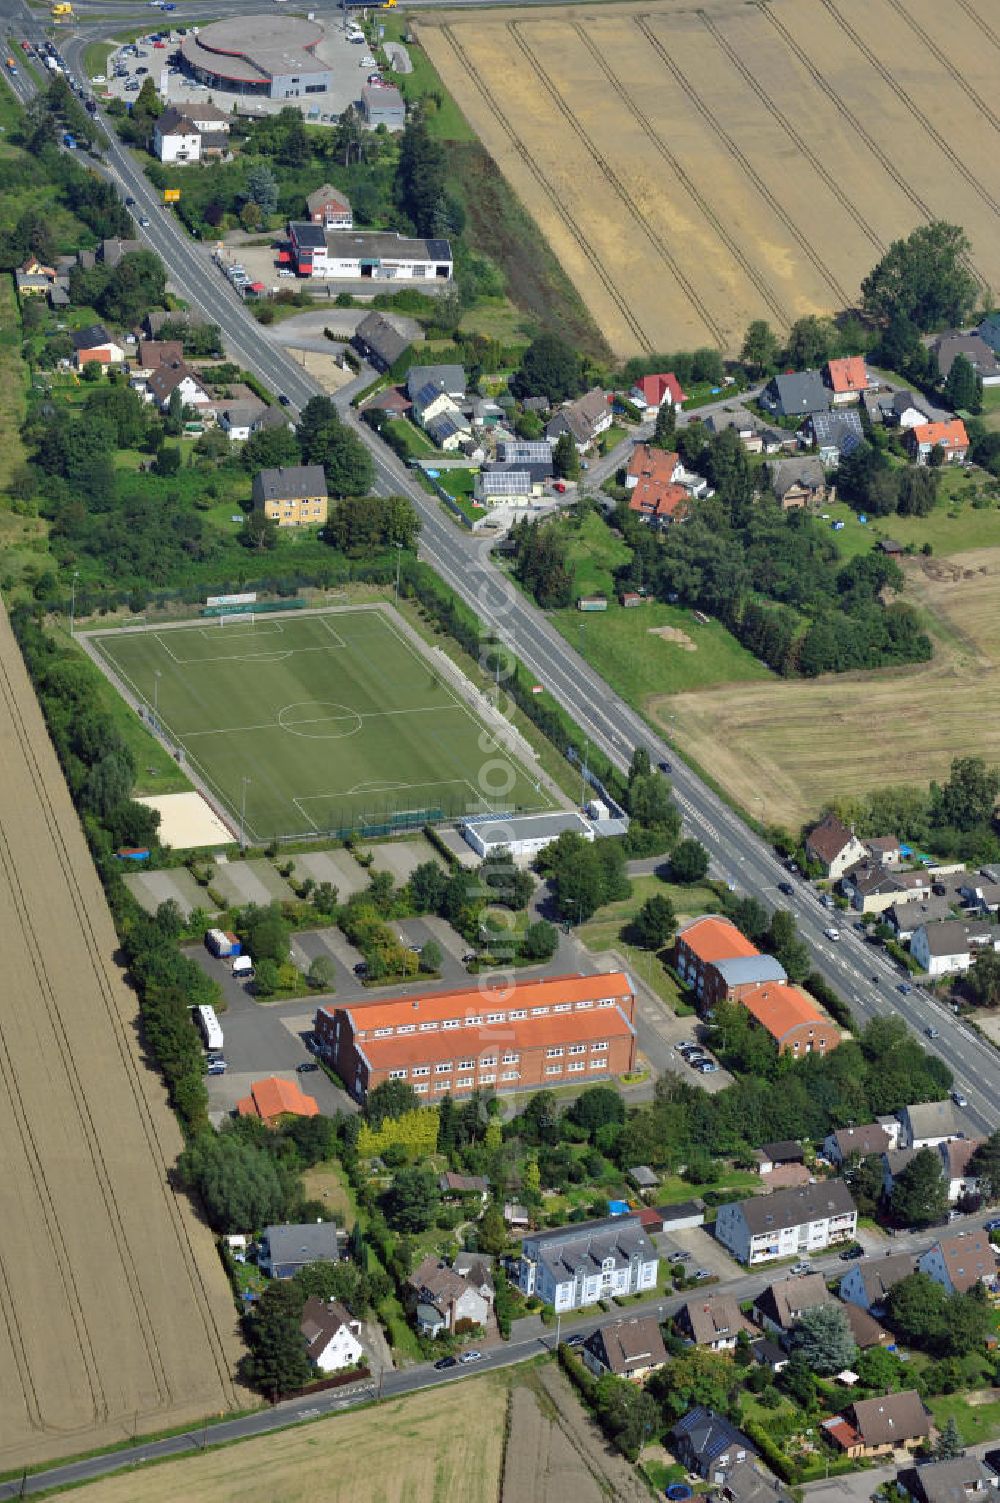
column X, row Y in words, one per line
column 656, row 649
column 444, row 118
column 602, row 933
column 13, row 383
column 954, row 526
column 441, row 1446
column 991, row 407
column 594, row 553
column 417, row 446
column 975, row 1421
column 326, row 1182
column 321, row 723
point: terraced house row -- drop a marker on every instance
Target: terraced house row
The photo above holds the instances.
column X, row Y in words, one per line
column 563, row 1029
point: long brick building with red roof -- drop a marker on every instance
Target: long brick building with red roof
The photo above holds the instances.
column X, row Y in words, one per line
column 561, row 1030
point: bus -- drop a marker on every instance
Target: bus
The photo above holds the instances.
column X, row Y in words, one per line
column 211, row 1030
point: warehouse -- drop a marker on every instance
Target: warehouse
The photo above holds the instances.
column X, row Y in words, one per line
column 523, row 834
column 564, row 1029
column 372, row 255
column 268, row 56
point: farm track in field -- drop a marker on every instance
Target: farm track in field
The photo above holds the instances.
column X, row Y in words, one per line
column 743, row 161
column 978, row 21
column 526, row 157
column 768, row 294
column 793, row 135
column 616, row 182
column 913, row 109
column 946, row 63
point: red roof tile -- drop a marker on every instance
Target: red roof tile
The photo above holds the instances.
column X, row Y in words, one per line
column 473, row 1042
column 848, row 375
column 477, row 1002
column 712, row 939
column 274, row 1098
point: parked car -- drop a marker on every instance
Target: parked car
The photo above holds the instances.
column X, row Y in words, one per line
column 285, row 401
column 307, row 1067
column 472, row 1356
column 144, row 222
column 801, row 1267
column 444, row 1363
column 575, row 1340
column 707, row 1067
column 216, row 1067
column 905, row 988
column 850, row 1253
column 993, row 1225
column 701, row 1274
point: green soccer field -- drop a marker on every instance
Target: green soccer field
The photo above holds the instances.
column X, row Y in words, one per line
column 336, row 720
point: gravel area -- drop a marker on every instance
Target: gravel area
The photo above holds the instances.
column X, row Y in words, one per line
column 249, row 882
column 150, row 889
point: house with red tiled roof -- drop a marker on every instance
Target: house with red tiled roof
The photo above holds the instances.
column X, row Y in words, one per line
column 558, row 1031
column 847, row 379
column 950, row 437
column 646, row 462
column 273, row 1099
column 791, row 1017
column 650, row 393
column 659, row 504
column 700, row 945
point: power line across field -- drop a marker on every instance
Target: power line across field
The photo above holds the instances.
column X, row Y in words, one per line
column 318, row 724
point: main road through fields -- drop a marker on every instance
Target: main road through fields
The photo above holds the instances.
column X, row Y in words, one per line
column 862, row 974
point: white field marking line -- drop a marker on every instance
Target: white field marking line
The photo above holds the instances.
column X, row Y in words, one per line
column 482, row 725
column 276, row 725
column 334, row 634
column 310, row 798
column 267, row 630
column 305, row 816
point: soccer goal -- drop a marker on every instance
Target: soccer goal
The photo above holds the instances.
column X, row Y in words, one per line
column 241, row 618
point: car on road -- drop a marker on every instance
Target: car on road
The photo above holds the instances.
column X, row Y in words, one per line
column 472, row 1356
column 575, row 1340
column 959, row 1099
column 701, row 1274
column 98, row 78
column 665, row 766
column 993, row 1225
column 850, row 1253
column 129, row 202
column 801, row 1268
column 905, row 988
column 285, row 401
column 216, row 1067
column 443, row 1363
column 932, row 1032
column 144, row 222
column 786, row 888
column 832, row 933
column 307, row 1067
column 140, row 71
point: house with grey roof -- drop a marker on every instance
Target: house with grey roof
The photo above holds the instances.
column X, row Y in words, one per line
column 789, row 1223
column 383, row 104
column 379, row 342
column 963, row 1480
column 835, row 434
column 781, row 1306
column 950, row 947
column 868, row 1282
column 584, row 420
column 425, row 381
column 897, row 409
column 708, row 1444
column 905, row 918
column 796, row 394
column 747, row 1482
column 977, row 352
column 285, row 1249
column 796, row 483
column 574, row 1266
column 443, row 1299
column 928, row 1123
column 872, row 1138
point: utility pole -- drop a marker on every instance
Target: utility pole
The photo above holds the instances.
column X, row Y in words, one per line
column 243, row 814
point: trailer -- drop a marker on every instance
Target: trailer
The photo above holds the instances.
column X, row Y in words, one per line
column 210, row 1027
column 217, row 943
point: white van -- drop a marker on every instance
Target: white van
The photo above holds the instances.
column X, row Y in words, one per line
column 832, row 933
column 243, row 967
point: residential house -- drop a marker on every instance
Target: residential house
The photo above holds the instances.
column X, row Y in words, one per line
column 330, row 208
column 575, row 1266
column 650, row 393
column 983, row 895
column 285, row 1249
column 584, row 420
column 885, row 849
column 162, row 382
column 848, row 379
column 904, row 409
column 894, row 1162
column 882, row 1425
column 743, row 972
column 796, row 483
column 789, row 1222
column 292, row 495
column 449, row 428
column 928, row 1123
column 653, row 478
column 425, row 382
column 833, row 846
column 527, row 1035
column 382, row 104
column 871, row 887
column 184, row 317
column 791, row 1017
column 977, row 351
column 331, row 1335
column 956, row 1155
column 868, row 1282
column 535, row 456
column 176, row 138
column 659, row 505
column 906, row 918
column 236, row 419
column 152, row 353
column 861, row 1141
column 700, row 945
column 989, row 331
column 706, row 1443
column 749, row 1483
column 767, row 1353
column 865, row 1329
column 951, row 946
column 273, row 1100
column 463, row 1184
column 442, row 1299
column 950, row 437
column 631, row 1348
column 962, row 1480
column 747, row 428
column 796, row 394
column 113, row 251
column 714, row 1322
column 835, row 434
column 379, row 342
column 94, row 343
column 959, row 1262
column 477, row 1271
column 503, row 487
column 779, row 1308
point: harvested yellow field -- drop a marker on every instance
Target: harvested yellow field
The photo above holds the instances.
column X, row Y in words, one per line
column 115, row 1315
column 441, row 1446
column 696, row 166
column 783, row 749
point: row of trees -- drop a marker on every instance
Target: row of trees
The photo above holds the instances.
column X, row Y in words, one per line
column 954, row 818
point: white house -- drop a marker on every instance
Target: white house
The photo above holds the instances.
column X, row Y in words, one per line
column 95, row 345
column 789, row 1223
column 955, row 1158
column 236, row 419
column 960, row 1262
column 927, row 1124
column 166, row 379
column 575, row 1266
column 368, row 255
column 949, row 947
column 331, row 1335
column 176, row 137
column 833, row 846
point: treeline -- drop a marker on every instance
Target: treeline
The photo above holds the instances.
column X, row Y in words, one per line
column 955, row 819
column 123, row 293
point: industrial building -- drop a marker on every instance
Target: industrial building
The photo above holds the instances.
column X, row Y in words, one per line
column 367, row 255
column 523, row 834
column 268, row 56
column 563, row 1029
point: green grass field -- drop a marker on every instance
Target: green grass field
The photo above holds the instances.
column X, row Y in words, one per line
column 335, row 720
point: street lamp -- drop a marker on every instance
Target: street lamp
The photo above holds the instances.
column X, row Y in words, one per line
column 399, row 555
column 156, row 699
column 72, row 603
column 243, row 813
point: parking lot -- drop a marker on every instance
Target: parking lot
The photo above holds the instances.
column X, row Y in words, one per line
column 153, row 56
